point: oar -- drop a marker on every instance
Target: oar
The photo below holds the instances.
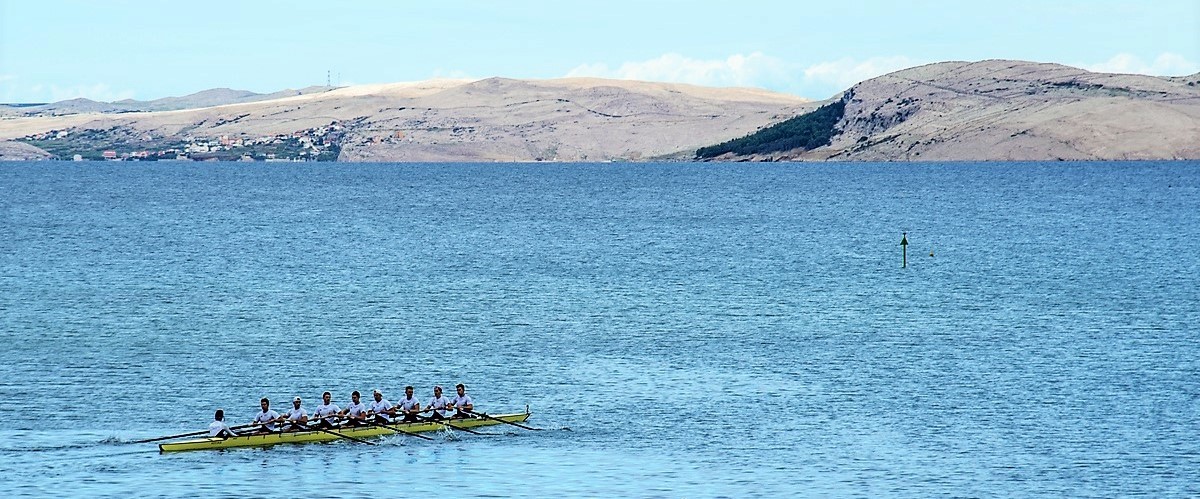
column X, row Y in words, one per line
column 334, row 433
column 485, row 416
column 444, row 422
column 397, row 430
column 192, row 434
column 448, row 425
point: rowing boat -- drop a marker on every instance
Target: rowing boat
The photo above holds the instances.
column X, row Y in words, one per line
column 269, row 439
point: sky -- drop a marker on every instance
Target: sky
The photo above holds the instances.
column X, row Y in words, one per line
column 53, row 50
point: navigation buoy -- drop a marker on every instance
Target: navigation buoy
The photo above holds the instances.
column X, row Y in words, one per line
column 904, row 246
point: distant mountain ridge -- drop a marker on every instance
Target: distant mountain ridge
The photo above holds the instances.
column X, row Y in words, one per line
column 204, row 98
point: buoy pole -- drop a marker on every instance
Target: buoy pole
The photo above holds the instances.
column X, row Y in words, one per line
column 904, row 246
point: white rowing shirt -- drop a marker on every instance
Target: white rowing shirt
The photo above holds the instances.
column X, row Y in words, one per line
column 296, row 414
column 381, row 407
column 438, row 403
column 409, row 404
column 267, row 416
column 356, row 410
column 215, row 428
column 459, row 402
column 325, row 410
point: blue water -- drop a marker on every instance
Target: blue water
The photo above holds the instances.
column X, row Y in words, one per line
column 678, row 330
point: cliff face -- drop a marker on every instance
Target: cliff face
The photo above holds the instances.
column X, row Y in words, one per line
column 1013, row 110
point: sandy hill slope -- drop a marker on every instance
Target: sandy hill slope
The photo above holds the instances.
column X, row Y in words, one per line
column 1012, row 110
column 496, row 119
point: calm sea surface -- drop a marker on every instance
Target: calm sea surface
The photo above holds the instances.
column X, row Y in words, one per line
column 678, row 330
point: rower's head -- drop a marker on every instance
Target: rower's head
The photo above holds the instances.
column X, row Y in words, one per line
column 296, row 402
column 378, row 395
column 408, row 391
column 437, row 391
column 355, row 396
column 326, row 397
column 264, row 403
column 461, row 389
column 220, row 415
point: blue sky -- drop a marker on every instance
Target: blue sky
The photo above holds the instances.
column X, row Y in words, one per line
column 107, row 50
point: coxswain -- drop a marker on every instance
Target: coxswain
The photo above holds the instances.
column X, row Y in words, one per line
column 462, row 403
column 437, row 404
column 294, row 418
column 326, row 412
column 266, row 419
column 356, row 412
column 410, row 406
column 218, row 428
column 381, row 409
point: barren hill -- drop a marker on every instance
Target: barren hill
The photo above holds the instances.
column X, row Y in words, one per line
column 495, row 119
column 988, row 110
column 1010, row 110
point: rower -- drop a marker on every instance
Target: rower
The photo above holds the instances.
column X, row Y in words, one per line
column 295, row 418
column 410, row 406
column 382, row 409
column 218, row 428
column 462, row 403
column 356, row 412
column 266, row 418
column 326, row 412
column 437, row 404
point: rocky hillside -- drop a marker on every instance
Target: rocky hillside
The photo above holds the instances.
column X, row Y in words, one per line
column 1000, row 110
column 496, row 119
column 18, row 151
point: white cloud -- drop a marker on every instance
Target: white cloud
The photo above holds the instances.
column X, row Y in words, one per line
column 738, row 70
column 845, row 72
column 450, row 74
column 1166, row 64
column 754, row 70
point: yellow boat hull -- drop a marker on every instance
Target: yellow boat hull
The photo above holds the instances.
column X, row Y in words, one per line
column 323, row 436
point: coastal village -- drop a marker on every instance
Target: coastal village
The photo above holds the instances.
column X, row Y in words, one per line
column 120, row 144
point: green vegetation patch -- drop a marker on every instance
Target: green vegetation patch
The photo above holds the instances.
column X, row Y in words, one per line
column 808, row 131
